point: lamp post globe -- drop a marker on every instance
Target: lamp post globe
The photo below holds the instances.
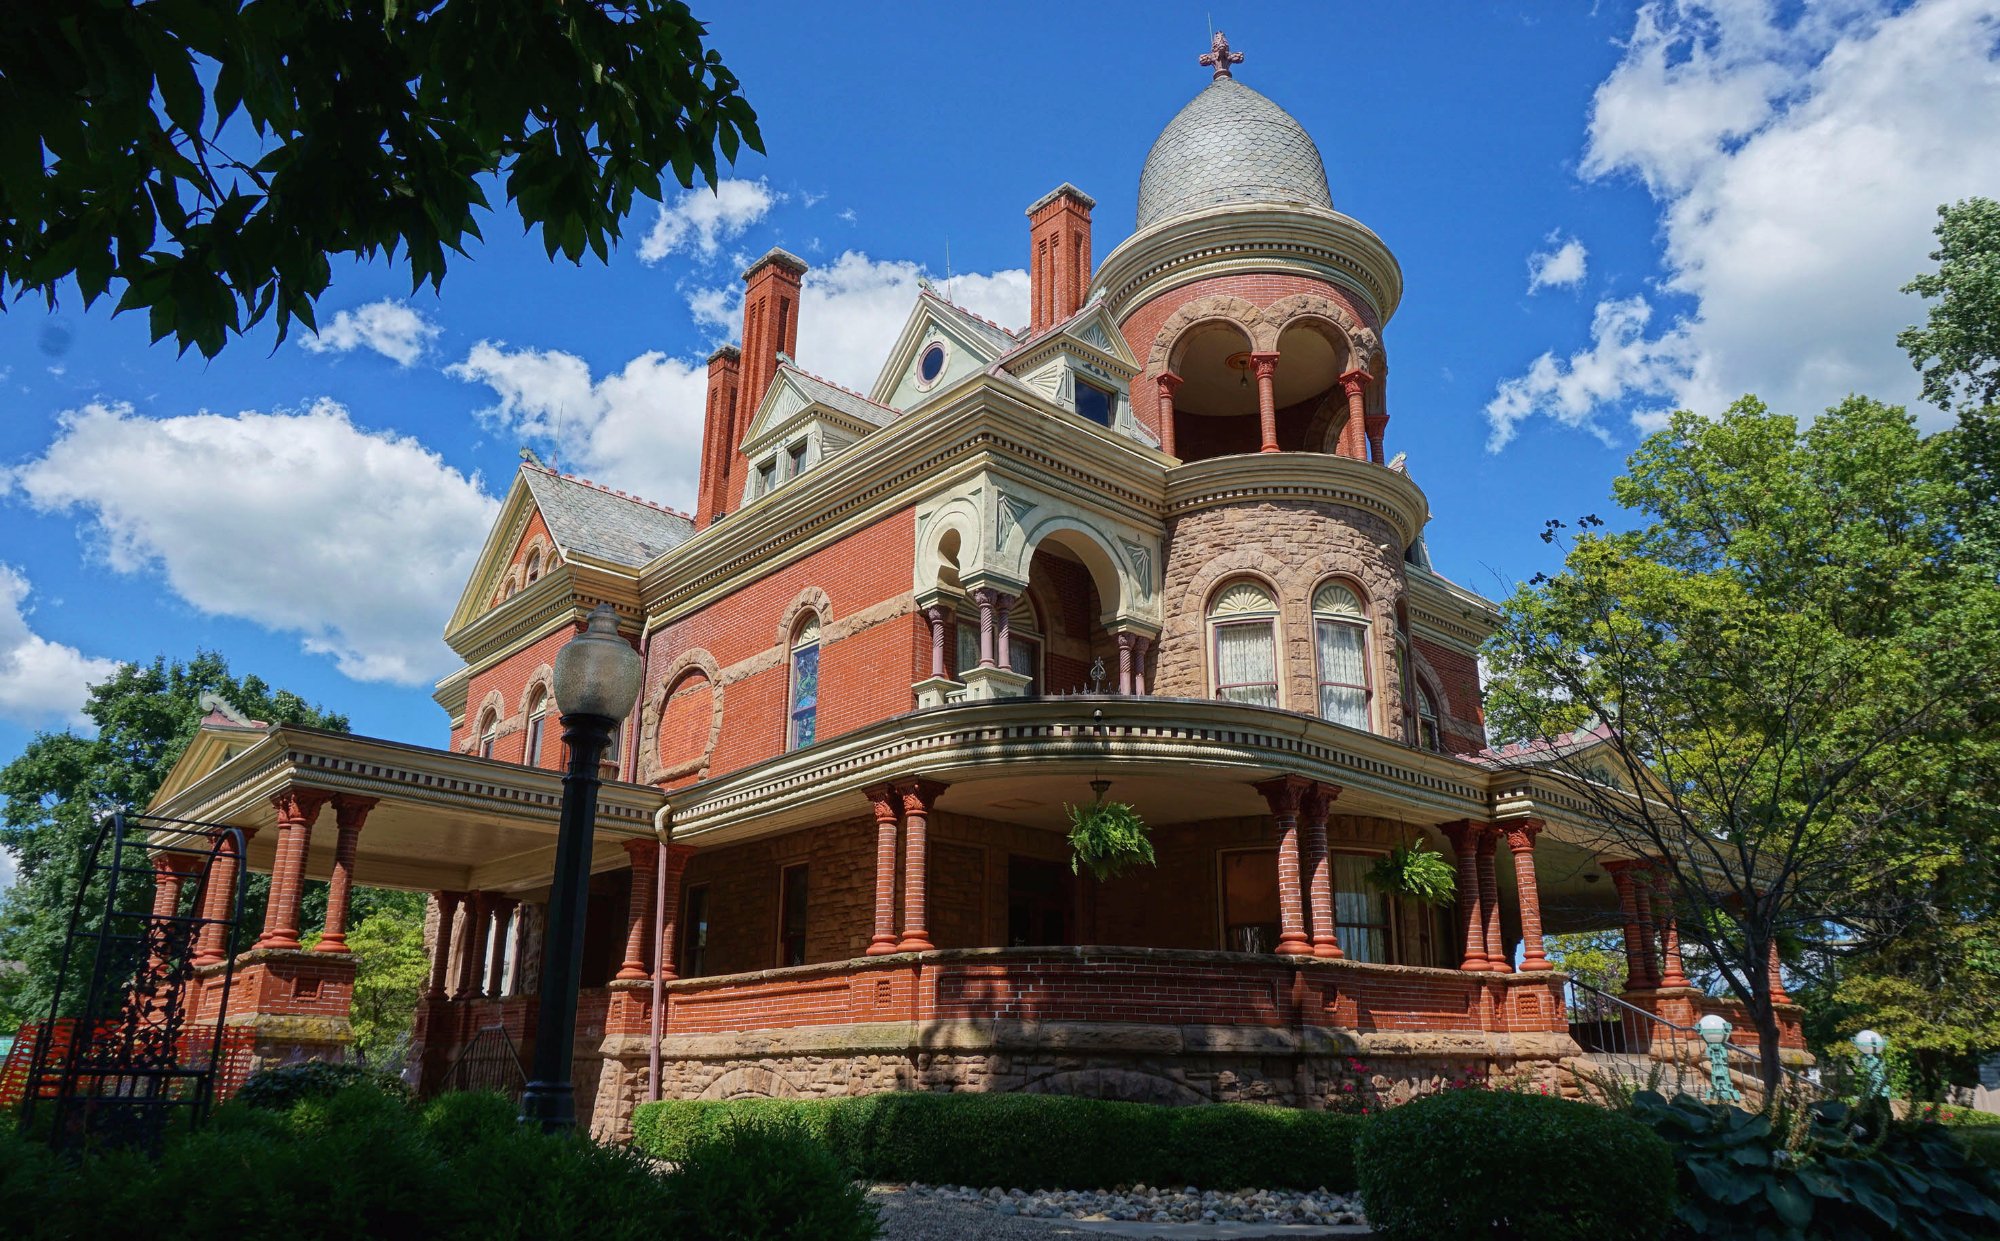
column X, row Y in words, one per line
column 1714, row 1029
column 1869, row 1043
column 597, row 676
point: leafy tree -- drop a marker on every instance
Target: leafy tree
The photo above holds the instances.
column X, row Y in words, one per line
column 386, row 934
column 1788, row 656
column 145, row 717
column 1594, row 958
column 212, row 156
column 1958, row 348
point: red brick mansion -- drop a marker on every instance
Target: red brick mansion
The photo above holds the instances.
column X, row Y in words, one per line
column 1157, row 537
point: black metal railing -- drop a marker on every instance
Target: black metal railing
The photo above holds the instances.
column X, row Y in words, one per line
column 490, row 1062
column 1632, row 1048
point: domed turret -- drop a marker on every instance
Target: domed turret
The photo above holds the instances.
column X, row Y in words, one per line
column 1230, row 145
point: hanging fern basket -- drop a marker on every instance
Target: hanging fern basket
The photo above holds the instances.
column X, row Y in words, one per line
column 1416, row 872
column 1107, row 838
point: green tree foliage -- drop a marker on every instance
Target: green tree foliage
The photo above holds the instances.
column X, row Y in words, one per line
column 1958, row 348
column 1791, row 654
column 388, row 942
column 145, row 717
column 211, row 157
column 1594, row 958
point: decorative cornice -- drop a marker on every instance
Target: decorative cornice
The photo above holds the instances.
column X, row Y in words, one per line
column 1449, row 611
column 1225, row 240
column 1309, row 476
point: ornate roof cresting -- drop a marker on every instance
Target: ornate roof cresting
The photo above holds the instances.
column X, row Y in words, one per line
column 1220, row 56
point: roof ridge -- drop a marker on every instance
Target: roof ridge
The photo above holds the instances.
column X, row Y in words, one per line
column 793, row 366
column 610, row 491
column 968, row 313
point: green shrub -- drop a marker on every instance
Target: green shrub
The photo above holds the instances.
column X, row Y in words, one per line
column 767, row 1180
column 1491, row 1164
column 1835, row 1173
column 1982, row 1143
column 455, row 1123
column 1038, row 1141
column 278, row 1089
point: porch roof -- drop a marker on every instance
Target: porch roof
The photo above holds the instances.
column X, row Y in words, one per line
column 442, row 820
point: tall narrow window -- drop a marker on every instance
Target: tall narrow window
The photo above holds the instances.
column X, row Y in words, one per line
column 534, row 564
column 489, row 733
column 792, row 915
column 1360, row 911
column 795, row 460
column 694, row 932
column 805, row 683
column 1243, row 622
column 538, row 718
column 1428, row 735
column 1340, row 640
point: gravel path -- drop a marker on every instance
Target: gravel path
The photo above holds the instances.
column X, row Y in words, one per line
column 914, row 1212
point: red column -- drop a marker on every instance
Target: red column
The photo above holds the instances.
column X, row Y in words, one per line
column 1142, row 645
column 1283, row 795
column 1673, row 972
column 297, row 808
column 918, row 798
column 645, row 855
column 1169, row 382
column 1378, row 427
column 1489, row 901
column 1642, row 904
column 1635, row 954
column 1777, row 978
column 670, row 937
column 1125, row 663
column 349, row 814
column 1464, row 837
column 1353, row 434
column 472, row 952
column 170, row 871
column 1003, row 645
column 1521, row 840
column 1314, row 807
column 935, row 615
column 888, row 806
column 984, row 597
column 447, row 903
column 496, row 971
column 1266, row 367
column 218, row 894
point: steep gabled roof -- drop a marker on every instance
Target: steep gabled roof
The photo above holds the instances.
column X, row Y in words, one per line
column 589, row 520
column 988, row 331
column 984, row 340
column 832, row 395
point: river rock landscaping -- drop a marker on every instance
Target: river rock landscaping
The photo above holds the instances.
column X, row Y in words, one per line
column 1155, row 1204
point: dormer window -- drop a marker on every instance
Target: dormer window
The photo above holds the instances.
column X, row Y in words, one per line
column 1094, row 403
column 767, row 477
column 795, row 460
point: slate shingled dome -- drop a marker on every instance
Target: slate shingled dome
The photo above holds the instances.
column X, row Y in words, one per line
column 1230, row 145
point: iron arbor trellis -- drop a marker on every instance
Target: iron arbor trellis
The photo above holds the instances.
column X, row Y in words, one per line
column 132, row 1061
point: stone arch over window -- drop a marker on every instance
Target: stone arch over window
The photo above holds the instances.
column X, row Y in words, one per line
column 1243, row 637
column 683, row 719
column 486, row 726
column 1325, row 314
column 1343, row 647
column 1109, row 572
column 1245, row 316
column 810, row 600
column 1429, row 684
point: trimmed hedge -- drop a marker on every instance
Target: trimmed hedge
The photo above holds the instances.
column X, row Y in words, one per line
column 1037, row 1141
column 1468, row 1165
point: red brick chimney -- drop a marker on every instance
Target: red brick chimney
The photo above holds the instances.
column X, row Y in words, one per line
column 719, row 436
column 770, row 326
column 1058, row 255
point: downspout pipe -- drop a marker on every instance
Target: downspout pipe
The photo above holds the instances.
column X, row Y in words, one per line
column 663, row 831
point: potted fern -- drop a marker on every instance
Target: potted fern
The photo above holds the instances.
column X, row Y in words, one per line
column 1107, row 837
column 1416, row 872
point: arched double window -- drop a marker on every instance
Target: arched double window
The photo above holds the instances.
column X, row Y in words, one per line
column 804, row 698
column 1428, row 734
column 1340, row 646
column 1243, row 643
column 489, row 733
column 534, row 565
column 538, row 720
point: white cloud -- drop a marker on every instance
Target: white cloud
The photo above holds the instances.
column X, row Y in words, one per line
column 41, row 682
column 1561, row 266
column 847, row 214
column 1621, row 363
column 358, row 541
column 389, row 327
column 639, row 429
column 1798, row 162
column 703, row 219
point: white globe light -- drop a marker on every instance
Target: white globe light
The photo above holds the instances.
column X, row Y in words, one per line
column 1870, row 1043
column 1714, row 1029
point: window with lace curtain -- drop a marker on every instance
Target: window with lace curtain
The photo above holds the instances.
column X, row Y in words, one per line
column 538, row 719
column 1243, row 629
column 1340, row 646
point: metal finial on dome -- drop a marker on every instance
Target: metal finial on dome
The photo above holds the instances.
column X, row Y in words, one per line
column 1220, row 56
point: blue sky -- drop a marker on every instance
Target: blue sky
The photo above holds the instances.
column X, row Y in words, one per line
column 1715, row 198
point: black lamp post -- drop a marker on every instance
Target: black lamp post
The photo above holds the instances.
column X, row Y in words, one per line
column 597, row 676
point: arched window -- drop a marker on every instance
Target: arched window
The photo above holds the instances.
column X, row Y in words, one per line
column 538, row 719
column 1243, row 629
column 534, row 564
column 489, row 732
column 805, row 682
column 1340, row 643
column 1428, row 735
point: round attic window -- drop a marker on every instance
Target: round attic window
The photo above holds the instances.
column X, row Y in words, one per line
column 931, row 364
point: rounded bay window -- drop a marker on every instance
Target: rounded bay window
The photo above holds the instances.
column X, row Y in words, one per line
column 1243, row 643
column 1340, row 652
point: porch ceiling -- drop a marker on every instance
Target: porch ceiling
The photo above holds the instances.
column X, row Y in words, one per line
column 442, row 820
